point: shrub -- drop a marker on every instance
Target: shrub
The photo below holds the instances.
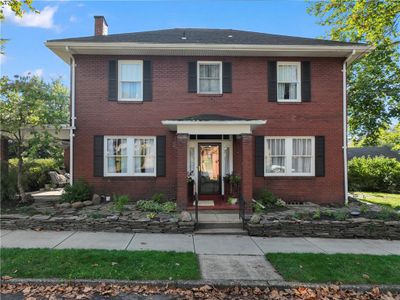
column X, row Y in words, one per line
column 153, row 206
column 377, row 174
column 120, row 202
column 340, row 215
column 35, row 172
column 158, row 197
column 8, row 186
column 388, row 213
column 79, row 191
column 267, row 198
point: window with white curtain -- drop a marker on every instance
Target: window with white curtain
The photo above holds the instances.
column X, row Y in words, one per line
column 289, row 156
column 209, row 77
column 288, row 77
column 130, row 156
column 130, row 77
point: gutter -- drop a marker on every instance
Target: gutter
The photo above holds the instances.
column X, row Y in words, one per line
column 71, row 130
column 346, row 184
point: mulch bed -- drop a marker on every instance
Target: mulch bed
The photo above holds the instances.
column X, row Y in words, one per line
column 80, row 291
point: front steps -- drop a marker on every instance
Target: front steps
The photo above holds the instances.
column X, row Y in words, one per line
column 220, row 223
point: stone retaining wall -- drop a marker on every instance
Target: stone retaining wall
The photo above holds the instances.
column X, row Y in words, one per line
column 78, row 223
column 355, row 228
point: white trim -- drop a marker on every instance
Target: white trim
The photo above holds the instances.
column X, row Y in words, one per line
column 289, row 63
column 220, row 76
column 213, row 127
column 72, row 121
column 289, row 155
column 130, row 140
column 129, row 62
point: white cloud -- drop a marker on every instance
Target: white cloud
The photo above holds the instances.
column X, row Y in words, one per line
column 2, row 58
column 73, row 19
column 81, row 5
column 37, row 72
column 44, row 19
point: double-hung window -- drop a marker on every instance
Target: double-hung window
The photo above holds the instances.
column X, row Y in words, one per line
column 129, row 156
column 289, row 156
column 288, row 78
column 130, row 80
column 209, row 77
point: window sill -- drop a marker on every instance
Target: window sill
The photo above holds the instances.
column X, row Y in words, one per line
column 209, row 95
column 130, row 178
column 289, row 102
column 291, row 177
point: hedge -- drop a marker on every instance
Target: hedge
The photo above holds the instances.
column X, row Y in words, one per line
column 377, row 174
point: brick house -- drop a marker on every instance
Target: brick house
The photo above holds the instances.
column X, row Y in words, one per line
column 150, row 109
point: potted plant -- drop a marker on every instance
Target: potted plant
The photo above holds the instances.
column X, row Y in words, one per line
column 190, row 183
column 232, row 188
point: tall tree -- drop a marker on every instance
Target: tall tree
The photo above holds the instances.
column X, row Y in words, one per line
column 373, row 81
column 29, row 107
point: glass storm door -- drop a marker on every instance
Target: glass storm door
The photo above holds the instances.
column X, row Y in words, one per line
column 209, row 169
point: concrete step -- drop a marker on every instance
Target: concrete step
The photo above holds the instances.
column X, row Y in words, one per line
column 217, row 225
column 230, row 231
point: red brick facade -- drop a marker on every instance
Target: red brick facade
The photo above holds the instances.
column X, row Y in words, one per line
column 95, row 115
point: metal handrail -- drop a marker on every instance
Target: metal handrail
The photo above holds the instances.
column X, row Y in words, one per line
column 196, row 204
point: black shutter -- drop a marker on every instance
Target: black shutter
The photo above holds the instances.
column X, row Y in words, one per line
column 272, row 83
column 161, row 156
column 192, row 77
column 113, row 80
column 98, row 156
column 259, row 156
column 147, row 81
column 319, row 156
column 305, row 81
column 227, row 77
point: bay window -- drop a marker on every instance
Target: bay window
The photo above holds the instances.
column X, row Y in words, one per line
column 288, row 78
column 289, row 156
column 209, row 77
column 129, row 156
column 130, row 80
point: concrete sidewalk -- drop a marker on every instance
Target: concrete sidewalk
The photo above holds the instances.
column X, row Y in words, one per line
column 221, row 257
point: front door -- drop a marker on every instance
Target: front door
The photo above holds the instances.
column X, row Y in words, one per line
column 209, row 169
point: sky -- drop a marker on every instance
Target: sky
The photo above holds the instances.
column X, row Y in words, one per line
column 25, row 51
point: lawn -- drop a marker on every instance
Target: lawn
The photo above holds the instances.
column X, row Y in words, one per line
column 98, row 264
column 332, row 268
column 392, row 200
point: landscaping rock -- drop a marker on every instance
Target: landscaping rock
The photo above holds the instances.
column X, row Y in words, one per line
column 113, row 218
column 186, row 216
column 255, row 219
column 96, row 199
column 87, row 203
column 77, row 204
column 65, row 205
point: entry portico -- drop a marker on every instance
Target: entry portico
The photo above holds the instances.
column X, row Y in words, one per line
column 209, row 147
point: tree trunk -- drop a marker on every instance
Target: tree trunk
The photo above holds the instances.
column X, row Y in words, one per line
column 19, row 179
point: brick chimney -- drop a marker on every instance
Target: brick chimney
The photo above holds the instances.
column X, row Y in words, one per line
column 100, row 25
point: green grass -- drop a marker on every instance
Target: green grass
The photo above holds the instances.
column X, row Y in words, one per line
column 332, row 268
column 98, row 264
column 392, row 200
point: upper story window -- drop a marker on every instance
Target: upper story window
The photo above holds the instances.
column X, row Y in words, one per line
column 130, row 156
column 130, row 80
column 209, row 77
column 288, row 77
column 289, row 156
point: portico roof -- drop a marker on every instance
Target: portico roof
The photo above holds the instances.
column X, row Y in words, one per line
column 213, row 124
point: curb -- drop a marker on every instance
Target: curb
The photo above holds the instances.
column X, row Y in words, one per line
column 280, row 285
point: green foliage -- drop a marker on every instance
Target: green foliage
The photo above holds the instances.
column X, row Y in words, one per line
column 378, row 174
column 18, row 7
column 151, row 215
column 388, row 213
column 158, row 197
column 79, row 191
column 120, row 202
column 391, row 137
column 374, row 80
column 8, row 185
column 340, row 215
column 317, row 214
column 267, row 198
column 35, row 173
column 153, row 206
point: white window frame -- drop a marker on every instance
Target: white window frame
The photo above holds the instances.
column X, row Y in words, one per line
column 130, row 157
column 128, row 62
column 289, row 156
column 289, row 63
column 220, row 76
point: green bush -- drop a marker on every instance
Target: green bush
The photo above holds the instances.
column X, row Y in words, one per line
column 120, row 202
column 79, row 191
column 378, row 174
column 267, row 198
column 158, row 197
column 153, row 206
column 35, row 172
column 8, row 186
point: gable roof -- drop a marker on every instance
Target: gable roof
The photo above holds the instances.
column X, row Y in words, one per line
column 373, row 151
column 205, row 36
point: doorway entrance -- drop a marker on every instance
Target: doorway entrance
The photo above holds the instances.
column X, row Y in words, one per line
column 209, row 169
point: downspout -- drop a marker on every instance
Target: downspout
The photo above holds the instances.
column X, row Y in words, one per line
column 346, row 184
column 72, row 122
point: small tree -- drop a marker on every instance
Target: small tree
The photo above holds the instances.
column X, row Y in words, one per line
column 28, row 108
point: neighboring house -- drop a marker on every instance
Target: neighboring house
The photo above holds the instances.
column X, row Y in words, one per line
column 373, row 151
column 149, row 108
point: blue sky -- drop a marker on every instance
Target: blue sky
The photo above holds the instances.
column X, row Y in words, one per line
column 25, row 52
